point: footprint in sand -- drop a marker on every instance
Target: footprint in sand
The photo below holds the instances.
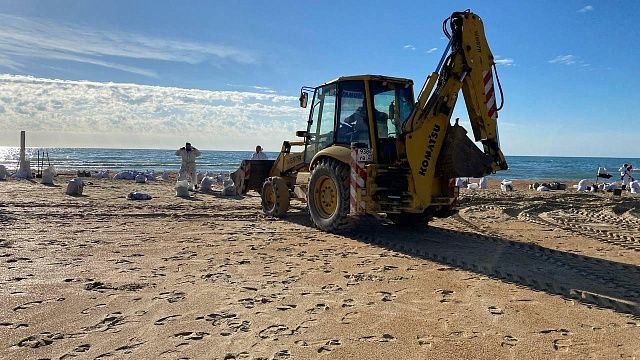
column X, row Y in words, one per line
column 331, row 288
column 329, row 346
column 110, row 323
column 318, row 309
column 374, row 338
column 121, row 351
column 425, row 341
column 166, row 319
column 231, row 321
column 40, row 340
column 250, row 303
column 13, row 326
column 31, row 304
column 172, row 297
column 348, row 303
column 78, row 351
column 349, row 317
column 273, row 332
column 386, row 296
column 494, row 310
column 446, row 295
column 561, row 345
column 190, row 335
column 509, row 341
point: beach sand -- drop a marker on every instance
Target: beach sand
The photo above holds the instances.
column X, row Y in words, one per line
column 520, row 275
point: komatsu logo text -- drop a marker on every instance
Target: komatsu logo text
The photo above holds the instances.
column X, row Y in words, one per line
column 431, row 144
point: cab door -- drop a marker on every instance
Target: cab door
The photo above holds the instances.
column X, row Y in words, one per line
column 321, row 124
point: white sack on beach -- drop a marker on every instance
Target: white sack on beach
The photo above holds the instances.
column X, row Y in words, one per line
column 47, row 176
column 635, row 187
column 182, row 188
column 75, row 187
column 472, row 186
column 506, row 185
column 3, row 172
column 206, row 185
column 542, row 188
column 483, row 184
column 582, row 185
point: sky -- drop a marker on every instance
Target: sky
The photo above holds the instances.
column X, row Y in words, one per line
column 226, row 75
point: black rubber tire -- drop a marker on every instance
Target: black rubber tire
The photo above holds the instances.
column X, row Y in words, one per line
column 280, row 190
column 408, row 219
column 339, row 173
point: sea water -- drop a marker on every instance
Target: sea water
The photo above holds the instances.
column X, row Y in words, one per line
column 520, row 167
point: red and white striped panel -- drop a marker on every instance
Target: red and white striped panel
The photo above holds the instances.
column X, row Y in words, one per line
column 357, row 184
column 489, row 94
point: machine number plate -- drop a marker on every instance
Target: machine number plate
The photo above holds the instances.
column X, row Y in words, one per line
column 365, row 155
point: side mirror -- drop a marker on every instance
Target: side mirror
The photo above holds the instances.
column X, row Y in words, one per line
column 304, row 98
column 302, row 133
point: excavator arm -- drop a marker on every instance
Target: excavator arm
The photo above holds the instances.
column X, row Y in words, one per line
column 468, row 65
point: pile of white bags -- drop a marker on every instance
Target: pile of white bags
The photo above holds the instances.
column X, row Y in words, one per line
column 206, row 185
column 506, row 185
column 229, row 188
column 131, row 175
column 47, row 175
column 102, row 174
column 182, row 188
column 582, row 185
column 75, row 187
column 3, row 172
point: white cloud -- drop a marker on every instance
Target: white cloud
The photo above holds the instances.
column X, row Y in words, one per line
column 83, row 113
column 409, row 47
column 586, row 9
column 432, row 50
column 564, row 59
column 27, row 38
column 501, row 61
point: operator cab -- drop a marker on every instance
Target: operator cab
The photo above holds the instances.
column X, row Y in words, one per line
column 369, row 110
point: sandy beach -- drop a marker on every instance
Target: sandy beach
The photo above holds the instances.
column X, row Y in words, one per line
column 520, row 275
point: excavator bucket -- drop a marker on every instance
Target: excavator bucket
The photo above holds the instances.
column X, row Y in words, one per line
column 251, row 175
column 460, row 157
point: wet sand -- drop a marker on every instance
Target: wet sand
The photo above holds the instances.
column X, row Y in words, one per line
column 516, row 275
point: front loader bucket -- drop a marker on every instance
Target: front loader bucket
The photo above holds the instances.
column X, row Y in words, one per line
column 251, row 175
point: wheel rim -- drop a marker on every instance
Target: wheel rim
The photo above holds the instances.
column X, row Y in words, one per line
column 269, row 197
column 326, row 196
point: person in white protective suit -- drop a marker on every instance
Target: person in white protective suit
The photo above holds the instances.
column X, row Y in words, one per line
column 188, row 167
column 625, row 175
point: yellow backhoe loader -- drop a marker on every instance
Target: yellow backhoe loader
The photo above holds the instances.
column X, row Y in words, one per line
column 370, row 148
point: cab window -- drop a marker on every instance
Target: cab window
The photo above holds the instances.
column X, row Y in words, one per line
column 353, row 126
